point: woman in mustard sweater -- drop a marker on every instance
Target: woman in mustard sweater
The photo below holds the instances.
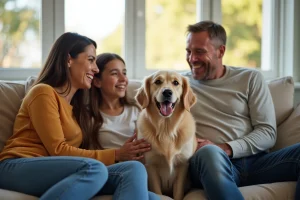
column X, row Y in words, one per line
column 43, row 156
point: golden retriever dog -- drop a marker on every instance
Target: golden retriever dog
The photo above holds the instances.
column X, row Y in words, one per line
column 167, row 124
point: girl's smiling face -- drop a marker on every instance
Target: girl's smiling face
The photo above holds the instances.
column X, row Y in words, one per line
column 113, row 80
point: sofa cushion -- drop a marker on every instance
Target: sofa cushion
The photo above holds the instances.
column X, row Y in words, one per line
column 288, row 133
column 132, row 87
column 29, row 82
column 110, row 197
column 272, row 191
column 12, row 195
column 11, row 97
column 282, row 91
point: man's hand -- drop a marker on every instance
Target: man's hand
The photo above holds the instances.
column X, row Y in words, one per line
column 133, row 149
column 225, row 147
column 202, row 143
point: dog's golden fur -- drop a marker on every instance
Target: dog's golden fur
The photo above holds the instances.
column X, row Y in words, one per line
column 169, row 128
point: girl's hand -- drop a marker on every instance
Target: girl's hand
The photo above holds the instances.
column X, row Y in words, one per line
column 133, row 149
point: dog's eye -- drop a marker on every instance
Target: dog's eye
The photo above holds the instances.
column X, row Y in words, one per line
column 175, row 83
column 158, row 82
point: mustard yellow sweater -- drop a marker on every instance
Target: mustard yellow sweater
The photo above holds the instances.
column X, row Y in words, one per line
column 45, row 126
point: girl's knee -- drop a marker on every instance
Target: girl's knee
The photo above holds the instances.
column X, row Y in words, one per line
column 136, row 166
column 135, row 169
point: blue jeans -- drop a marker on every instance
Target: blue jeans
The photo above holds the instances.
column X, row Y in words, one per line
column 74, row 178
column 220, row 176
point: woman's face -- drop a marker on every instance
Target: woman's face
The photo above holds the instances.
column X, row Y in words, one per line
column 113, row 81
column 83, row 68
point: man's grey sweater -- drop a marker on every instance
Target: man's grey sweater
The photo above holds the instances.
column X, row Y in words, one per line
column 236, row 109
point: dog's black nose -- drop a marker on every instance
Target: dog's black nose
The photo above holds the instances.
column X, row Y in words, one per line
column 167, row 93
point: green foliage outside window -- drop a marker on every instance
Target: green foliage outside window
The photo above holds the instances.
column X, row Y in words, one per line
column 16, row 19
column 166, row 23
column 242, row 21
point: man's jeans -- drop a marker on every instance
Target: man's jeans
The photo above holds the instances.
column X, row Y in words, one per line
column 72, row 178
column 220, row 176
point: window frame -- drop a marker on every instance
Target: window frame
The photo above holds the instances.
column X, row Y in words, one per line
column 283, row 59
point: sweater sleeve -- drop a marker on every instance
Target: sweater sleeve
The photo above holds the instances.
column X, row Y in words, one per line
column 44, row 113
column 262, row 115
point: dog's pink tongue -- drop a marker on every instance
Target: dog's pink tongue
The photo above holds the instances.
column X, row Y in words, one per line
column 166, row 108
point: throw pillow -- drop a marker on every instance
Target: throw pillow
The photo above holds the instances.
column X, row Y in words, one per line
column 10, row 101
column 288, row 133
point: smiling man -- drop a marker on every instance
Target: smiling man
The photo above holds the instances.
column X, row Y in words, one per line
column 235, row 121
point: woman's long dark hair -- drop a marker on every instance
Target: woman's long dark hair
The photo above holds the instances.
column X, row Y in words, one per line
column 56, row 74
column 96, row 99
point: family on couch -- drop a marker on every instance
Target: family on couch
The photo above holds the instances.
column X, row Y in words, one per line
column 67, row 148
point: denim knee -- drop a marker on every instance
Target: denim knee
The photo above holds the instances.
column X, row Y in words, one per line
column 211, row 169
column 136, row 170
column 209, row 160
column 96, row 170
column 209, row 154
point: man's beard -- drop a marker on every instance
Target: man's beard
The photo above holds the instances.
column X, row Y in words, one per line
column 207, row 70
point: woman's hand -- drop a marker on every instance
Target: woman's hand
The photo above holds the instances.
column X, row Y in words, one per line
column 133, row 149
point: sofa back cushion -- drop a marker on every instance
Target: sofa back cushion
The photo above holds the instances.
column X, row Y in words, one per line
column 11, row 97
column 11, row 93
column 132, row 87
column 282, row 91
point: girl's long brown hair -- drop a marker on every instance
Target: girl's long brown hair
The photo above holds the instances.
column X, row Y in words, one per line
column 56, row 73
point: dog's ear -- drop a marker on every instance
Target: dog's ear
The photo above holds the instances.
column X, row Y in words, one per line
column 189, row 98
column 143, row 93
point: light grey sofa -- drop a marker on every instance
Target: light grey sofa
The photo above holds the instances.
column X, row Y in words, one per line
column 288, row 118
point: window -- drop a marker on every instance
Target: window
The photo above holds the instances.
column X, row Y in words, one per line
column 20, row 44
column 252, row 34
column 149, row 34
column 243, row 24
column 102, row 21
column 166, row 23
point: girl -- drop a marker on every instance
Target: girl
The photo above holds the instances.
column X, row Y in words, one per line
column 114, row 117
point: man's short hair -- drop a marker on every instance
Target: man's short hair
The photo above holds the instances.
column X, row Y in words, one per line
column 216, row 32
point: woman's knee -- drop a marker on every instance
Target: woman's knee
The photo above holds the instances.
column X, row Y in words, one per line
column 96, row 169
